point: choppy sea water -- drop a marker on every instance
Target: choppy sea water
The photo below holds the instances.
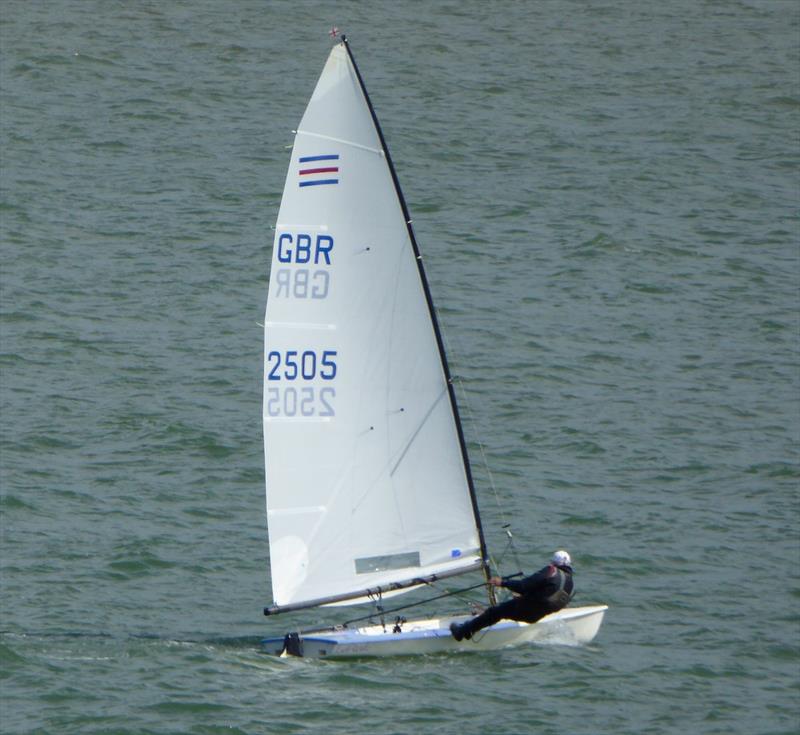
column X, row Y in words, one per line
column 606, row 195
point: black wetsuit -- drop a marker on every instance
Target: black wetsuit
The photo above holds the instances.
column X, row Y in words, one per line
column 542, row 593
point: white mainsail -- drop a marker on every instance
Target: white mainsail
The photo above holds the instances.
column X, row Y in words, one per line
column 366, row 477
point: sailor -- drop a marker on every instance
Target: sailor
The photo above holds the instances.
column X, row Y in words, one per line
column 540, row 594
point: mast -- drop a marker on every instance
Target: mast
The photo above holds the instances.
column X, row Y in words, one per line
column 434, row 321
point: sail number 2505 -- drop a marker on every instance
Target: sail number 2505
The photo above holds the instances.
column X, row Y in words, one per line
column 296, row 365
column 284, row 400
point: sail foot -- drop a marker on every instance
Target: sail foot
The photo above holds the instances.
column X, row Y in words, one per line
column 373, row 592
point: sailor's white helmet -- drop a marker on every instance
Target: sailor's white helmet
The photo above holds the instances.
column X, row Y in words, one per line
column 561, row 558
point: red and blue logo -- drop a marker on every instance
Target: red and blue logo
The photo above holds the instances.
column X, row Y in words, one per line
column 323, row 170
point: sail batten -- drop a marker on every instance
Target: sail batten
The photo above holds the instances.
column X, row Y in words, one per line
column 299, row 325
column 367, row 479
column 352, row 143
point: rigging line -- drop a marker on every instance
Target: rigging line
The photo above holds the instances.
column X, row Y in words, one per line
column 471, row 602
column 421, row 602
column 482, row 450
column 370, row 616
column 513, row 546
column 510, row 545
column 474, row 424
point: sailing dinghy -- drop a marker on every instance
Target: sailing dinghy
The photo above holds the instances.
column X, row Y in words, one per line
column 369, row 489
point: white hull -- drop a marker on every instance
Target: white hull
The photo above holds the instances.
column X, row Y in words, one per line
column 571, row 626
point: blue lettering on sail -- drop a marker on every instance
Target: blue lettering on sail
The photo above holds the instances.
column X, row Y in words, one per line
column 297, row 365
column 290, row 391
column 302, row 249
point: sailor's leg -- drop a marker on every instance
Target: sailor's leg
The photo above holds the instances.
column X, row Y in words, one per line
column 488, row 617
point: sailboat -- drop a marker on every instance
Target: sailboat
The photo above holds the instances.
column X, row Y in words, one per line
column 369, row 488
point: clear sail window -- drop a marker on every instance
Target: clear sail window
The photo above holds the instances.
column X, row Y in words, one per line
column 371, row 564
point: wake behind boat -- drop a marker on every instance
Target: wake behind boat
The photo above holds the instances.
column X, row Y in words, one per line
column 369, row 487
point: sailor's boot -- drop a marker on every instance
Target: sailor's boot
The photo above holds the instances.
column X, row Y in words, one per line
column 460, row 631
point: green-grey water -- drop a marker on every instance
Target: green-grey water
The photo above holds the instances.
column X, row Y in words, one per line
column 606, row 195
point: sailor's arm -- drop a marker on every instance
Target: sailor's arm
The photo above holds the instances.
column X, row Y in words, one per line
column 515, row 585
